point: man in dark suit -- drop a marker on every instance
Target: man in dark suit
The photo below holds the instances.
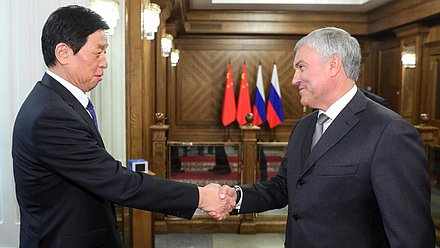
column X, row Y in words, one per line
column 382, row 101
column 365, row 182
column 66, row 182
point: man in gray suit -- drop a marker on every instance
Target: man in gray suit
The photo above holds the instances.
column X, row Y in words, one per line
column 365, row 183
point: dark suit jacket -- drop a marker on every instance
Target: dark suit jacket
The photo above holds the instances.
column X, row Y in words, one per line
column 365, row 184
column 66, row 182
column 382, row 101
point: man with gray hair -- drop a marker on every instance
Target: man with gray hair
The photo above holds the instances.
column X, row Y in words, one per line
column 355, row 173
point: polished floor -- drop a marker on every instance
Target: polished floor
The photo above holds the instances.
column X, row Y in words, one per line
column 262, row 240
column 220, row 240
column 186, row 240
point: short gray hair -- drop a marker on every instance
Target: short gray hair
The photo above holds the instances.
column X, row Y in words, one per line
column 329, row 41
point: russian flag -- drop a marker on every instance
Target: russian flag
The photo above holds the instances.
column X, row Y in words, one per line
column 259, row 109
column 274, row 107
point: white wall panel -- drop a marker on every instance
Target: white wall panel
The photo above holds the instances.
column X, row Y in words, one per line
column 109, row 96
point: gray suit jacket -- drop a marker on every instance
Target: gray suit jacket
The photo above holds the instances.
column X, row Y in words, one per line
column 66, row 182
column 365, row 184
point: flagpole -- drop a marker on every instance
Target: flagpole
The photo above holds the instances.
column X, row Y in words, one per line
column 274, row 139
column 228, row 137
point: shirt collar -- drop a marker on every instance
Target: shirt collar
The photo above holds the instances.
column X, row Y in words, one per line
column 336, row 108
column 76, row 92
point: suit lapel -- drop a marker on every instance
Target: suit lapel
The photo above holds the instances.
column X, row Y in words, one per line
column 343, row 123
column 73, row 102
column 305, row 148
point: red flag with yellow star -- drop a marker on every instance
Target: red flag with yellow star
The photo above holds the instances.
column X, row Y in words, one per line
column 244, row 101
column 228, row 113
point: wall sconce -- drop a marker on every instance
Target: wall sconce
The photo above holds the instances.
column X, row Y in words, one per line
column 409, row 59
column 109, row 11
column 175, row 57
column 150, row 19
column 166, row 43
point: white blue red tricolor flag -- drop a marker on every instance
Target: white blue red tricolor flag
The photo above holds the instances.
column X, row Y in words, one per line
column 274, row 107
column 259, row 108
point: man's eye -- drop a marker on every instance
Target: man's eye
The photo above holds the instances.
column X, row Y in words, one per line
column 99, row 54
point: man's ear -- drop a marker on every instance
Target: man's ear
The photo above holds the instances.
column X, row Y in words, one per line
column 63, row 53
column 335, row 64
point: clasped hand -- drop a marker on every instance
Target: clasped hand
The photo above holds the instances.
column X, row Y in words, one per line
column 216, row 200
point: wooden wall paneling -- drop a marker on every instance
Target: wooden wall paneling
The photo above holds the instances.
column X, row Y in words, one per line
column 433, row 36
column 368, row 75
column 388, row 71
column 196, row 103
column 290, row 16
column 256, row 27
column 270, row 22
column 433, row 84
column 148, row 94
column 292, row 22
column 403, row 12
column 134, row 80
column 161, row 77
column 157, row 72
column 424, row 89
column 414, row 36
column 134, row 104
column 158, row 159
column 431, row 89
column 161, row 62
column 431, row 75
column 249, row 172
column 139, row 114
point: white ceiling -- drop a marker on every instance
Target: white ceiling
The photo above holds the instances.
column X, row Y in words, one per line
column 311, row 5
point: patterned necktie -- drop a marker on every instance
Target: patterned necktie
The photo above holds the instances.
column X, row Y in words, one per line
column 318, row 129
column 92, row 113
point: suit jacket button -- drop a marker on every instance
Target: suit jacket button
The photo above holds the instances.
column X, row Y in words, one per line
column 295, row 217
column 300, row 182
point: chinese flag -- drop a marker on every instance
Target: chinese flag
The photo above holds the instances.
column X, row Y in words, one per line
column 228, row 113
column 244, row 101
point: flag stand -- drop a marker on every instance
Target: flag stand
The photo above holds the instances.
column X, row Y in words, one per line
column 274, row 139
column 228, row 139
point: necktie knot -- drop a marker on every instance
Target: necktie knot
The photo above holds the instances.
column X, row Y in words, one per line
column 90, row 106
column 322, row 119
column 91, row 110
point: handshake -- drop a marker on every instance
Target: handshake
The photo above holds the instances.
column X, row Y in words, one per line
column 216, row 200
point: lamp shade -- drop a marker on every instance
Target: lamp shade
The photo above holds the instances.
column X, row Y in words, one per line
column 109, row 11
column 175, row 57
column 150, row 19
column 166, row 44
column 409, row 59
